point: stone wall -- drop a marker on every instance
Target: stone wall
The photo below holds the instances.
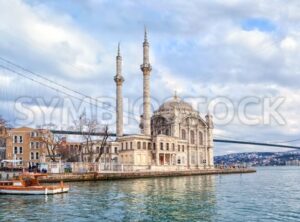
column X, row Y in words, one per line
column 132, row 175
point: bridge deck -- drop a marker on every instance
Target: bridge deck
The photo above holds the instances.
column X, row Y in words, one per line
column 215, row 140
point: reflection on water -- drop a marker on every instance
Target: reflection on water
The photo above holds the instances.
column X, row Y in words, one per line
column 169, row 198
column 271, row 194
column 126, row 200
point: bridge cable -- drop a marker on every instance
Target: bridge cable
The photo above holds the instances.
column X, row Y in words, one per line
column 60, row 85
column 55, row 89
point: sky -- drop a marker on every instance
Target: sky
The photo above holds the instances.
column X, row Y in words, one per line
column 216, row 54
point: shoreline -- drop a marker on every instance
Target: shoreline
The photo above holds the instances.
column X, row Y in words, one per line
column 80, row 177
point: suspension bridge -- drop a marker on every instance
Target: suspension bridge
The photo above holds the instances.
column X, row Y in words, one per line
column 65, row 132
column 12, row 68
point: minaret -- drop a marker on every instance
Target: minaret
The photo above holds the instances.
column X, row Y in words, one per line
column 146, row 68
column 119, row 102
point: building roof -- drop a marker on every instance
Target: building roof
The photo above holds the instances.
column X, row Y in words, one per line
column 21, row 129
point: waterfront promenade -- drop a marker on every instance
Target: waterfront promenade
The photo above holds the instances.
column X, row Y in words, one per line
column 110, row 175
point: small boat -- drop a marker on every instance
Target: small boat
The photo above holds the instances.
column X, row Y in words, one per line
column 28, row 183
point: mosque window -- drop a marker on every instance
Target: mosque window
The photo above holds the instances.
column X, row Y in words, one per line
column 192, row 137
column 167, row 132
column 193, row 159
column 200, row 138
column 139, row 145
column 144, row 146
column 161, row 146
column 183, row 134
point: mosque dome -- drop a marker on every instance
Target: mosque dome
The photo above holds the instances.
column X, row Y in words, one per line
column 175, row 103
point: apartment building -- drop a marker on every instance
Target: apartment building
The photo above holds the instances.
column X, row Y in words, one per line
column 26, row 145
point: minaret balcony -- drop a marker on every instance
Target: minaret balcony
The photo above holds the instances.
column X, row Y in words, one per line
column 146, row 67
column 119, row 79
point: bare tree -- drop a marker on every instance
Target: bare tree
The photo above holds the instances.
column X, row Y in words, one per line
column 3, row 122
column 103, row 143
column 3, row 131
column 53, row 143
column 90, row 130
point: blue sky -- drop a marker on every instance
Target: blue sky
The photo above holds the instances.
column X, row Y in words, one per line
column 210, row 48
column 261, row 24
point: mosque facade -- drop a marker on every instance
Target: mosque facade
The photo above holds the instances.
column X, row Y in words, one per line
column 174, row 137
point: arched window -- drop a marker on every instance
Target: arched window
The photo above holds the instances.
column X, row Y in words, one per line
column 183, row 134
column 139, row 145
column 192, row 137
column 200, row 138
column 144, row 145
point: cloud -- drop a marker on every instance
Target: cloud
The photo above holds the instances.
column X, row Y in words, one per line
column 204, row 48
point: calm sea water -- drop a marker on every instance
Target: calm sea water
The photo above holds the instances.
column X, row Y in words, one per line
column 271, row 194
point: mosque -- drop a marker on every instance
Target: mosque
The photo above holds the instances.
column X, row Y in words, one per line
column 175, row 137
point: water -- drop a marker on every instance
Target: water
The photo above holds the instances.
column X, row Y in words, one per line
column 271, row 194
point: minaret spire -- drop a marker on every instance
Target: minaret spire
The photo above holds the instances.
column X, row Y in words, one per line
column 146, row 69
column 145, row 35
column 119, row 54
column 119, row 101
column 175, row 95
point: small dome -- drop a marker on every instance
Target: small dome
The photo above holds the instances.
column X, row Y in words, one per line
column 175, row 103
